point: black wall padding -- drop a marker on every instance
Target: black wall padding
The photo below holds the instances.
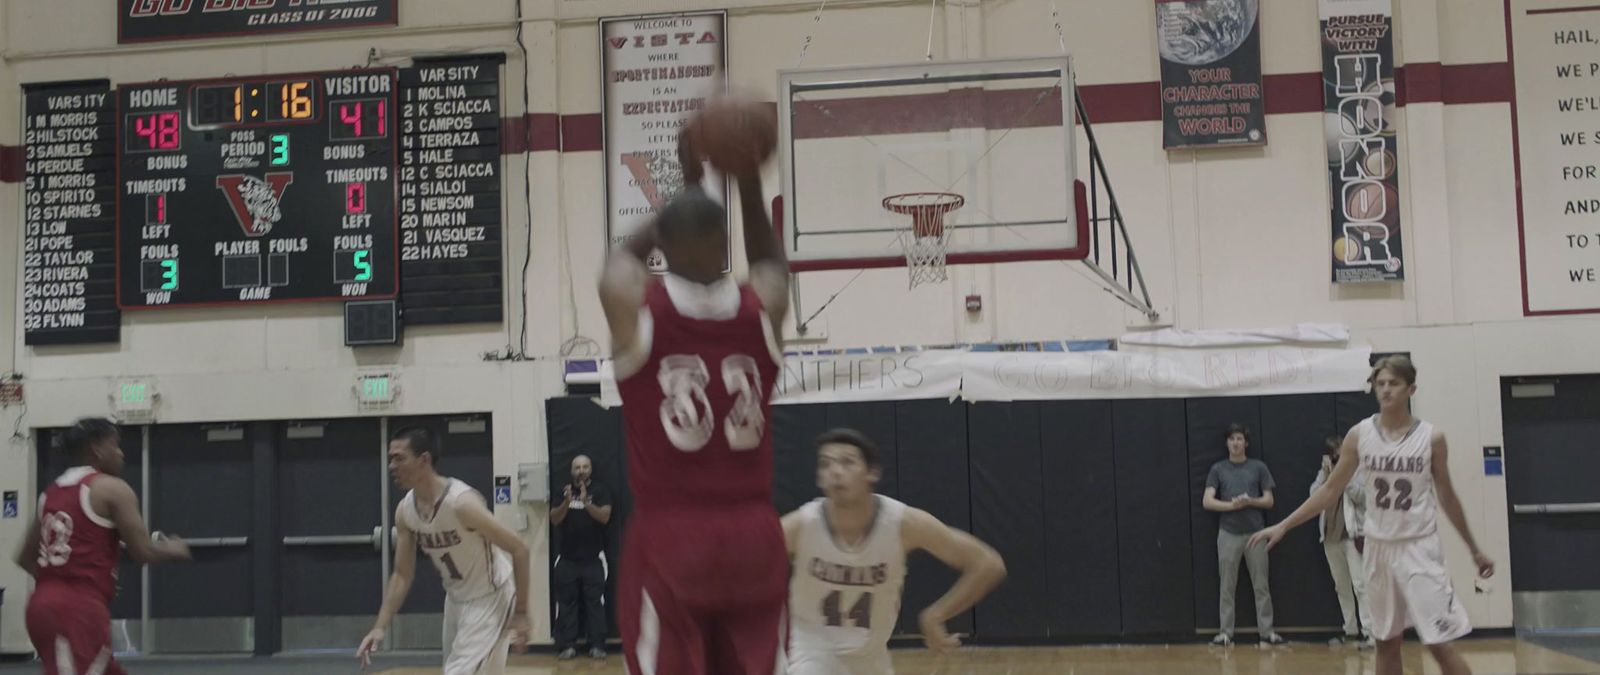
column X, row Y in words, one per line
column 1352, row 407
column 1080, row 503
column 932, row 468
column 794, row 460
column 578, row 426
column 1008, row 513
column 1292, row 432
column 876, row 420
column 1207, row 433
column 1153, row 545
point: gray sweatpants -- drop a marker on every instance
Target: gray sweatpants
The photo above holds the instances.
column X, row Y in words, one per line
column 1230, row 548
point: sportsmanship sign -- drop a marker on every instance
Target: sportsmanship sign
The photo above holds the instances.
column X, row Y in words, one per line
column 1363, row 172
column 659, row 71
column 1210, row 73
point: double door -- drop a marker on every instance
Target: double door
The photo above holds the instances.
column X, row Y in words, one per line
column 290, row 528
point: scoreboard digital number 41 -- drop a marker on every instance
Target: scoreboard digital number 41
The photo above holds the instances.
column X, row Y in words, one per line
column 257, row 190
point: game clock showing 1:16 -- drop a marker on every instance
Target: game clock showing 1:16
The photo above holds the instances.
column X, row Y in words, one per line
column 254, row 190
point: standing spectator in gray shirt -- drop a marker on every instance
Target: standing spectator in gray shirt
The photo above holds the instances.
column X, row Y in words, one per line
column 1240, row 489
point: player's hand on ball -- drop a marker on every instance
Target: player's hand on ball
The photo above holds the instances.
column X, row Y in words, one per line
column 1270, row 537
column 521, row 631
column 369, row 644
column 934, row 635
column 1485, row 564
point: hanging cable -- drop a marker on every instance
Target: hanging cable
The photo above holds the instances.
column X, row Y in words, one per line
column 816, row 21
column 933, row 13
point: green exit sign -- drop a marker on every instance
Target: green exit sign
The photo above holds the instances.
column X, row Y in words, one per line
column 375, row 389
column 133, row 394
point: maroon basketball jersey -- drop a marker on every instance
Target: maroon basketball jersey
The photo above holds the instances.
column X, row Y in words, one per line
column 696, row 411
column 77, row 547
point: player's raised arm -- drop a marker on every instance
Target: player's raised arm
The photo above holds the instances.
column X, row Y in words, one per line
column 476, row 517
column 405, row 569
column 980, row 565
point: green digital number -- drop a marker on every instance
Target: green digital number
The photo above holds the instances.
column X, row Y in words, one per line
column 364, row 268
column 280, row 149
column 169, row 275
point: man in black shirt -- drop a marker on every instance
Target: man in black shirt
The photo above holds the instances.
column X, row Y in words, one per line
column 582, row 515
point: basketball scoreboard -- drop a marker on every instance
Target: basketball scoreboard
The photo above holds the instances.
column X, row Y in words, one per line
column 365, row 185
column 257, row 190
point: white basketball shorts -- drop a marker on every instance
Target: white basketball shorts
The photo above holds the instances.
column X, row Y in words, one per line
column 476, row 633
column 1409, row 587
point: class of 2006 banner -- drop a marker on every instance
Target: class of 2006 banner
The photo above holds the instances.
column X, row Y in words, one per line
column 1210, row 73
column 659, row 71
column 1358, row 95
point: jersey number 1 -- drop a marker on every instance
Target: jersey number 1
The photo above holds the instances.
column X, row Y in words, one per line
column 860, row 613
column 450, row 565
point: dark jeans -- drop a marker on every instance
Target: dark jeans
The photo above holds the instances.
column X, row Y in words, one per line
column 575, row 581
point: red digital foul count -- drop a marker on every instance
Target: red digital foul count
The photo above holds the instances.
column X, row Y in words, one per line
column 366, row 118
column 155, row 131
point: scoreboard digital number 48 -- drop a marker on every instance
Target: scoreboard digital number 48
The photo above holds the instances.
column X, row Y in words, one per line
column 257, row 190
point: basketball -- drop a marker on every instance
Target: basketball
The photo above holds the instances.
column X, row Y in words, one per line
column 736, row 135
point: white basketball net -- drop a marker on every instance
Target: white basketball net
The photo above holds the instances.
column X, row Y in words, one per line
column 925, row 256
column 926, row 240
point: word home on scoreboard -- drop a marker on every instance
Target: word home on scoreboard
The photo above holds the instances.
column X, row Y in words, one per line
column 255, row 190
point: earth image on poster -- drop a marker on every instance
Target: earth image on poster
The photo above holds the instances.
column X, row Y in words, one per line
column 1197, row 32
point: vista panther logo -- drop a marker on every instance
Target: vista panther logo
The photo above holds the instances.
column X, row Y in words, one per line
column 255, row 200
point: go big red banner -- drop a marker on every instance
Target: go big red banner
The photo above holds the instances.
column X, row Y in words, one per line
column 1358, row 96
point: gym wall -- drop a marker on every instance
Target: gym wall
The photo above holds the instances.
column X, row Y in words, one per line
column 1232, row 238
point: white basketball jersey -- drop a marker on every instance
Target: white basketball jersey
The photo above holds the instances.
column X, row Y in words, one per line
column 469, row 566
column 1398, row 481
column 846, row 601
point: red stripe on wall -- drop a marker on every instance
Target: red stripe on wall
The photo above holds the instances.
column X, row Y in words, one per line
column 1290, row 93
column 11, row 164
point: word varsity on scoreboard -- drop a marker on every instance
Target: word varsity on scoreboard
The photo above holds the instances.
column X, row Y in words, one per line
column 257, row 189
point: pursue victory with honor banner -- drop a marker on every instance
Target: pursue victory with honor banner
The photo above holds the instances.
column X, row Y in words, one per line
column 659, row 71
column 1363, row 150
column 1210, row 73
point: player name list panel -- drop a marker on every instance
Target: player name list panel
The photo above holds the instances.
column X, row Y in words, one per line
column 1556, row 51
column 257, row 189
column 450, row 191
column 69, row 215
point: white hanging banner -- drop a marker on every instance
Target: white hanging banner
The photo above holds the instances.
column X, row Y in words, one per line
column 841, row 378
column 835, row 378
column 1028, row 376
column 995, row 376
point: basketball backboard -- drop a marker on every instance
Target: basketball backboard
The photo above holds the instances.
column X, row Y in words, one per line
column 998, row 133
